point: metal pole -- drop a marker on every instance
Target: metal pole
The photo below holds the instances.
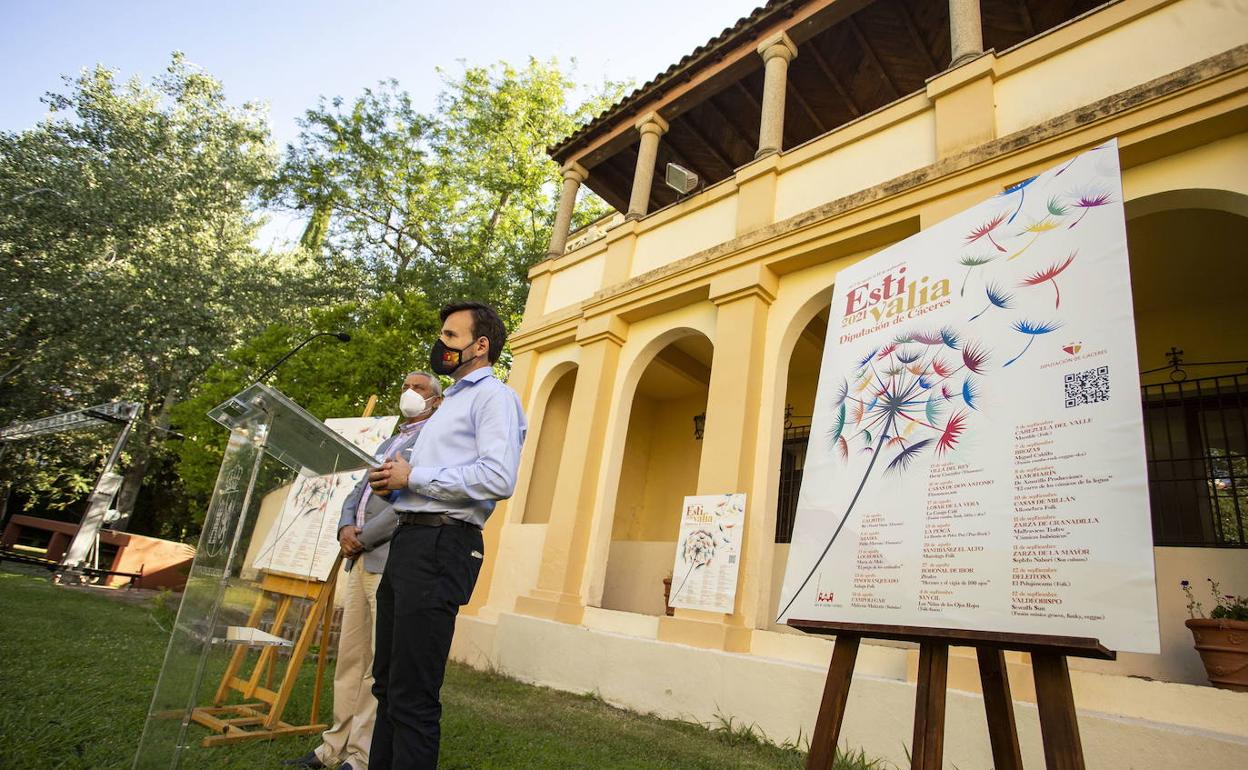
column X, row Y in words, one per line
column 85, row 545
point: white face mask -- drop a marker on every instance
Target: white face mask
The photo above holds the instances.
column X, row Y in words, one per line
column 412, row 403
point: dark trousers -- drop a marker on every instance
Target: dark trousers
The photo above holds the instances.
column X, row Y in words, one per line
column 430, row 573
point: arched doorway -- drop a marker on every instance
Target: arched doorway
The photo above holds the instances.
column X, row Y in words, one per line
column 1188, row 268
column 659, row 468
column 801, row 385
column 554, row 429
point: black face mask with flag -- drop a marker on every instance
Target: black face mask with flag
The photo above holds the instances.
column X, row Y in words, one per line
column 444, row 360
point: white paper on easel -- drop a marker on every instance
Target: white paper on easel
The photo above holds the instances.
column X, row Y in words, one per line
column 303, row 540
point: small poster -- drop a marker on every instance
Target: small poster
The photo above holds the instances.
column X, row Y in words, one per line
column 708, row 553
column 976, row 458
column 304, row 539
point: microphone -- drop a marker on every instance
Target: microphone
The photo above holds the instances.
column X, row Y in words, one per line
column 340, row 336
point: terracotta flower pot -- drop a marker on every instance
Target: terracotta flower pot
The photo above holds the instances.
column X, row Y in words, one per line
column 1223, row 648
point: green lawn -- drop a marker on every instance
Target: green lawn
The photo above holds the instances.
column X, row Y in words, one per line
column 77, row 671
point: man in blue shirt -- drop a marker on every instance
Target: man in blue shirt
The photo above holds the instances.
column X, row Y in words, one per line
column 347, row 741
column 466, row 459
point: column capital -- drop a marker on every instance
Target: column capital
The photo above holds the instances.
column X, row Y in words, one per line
column 575, row 171
column 651, row 123
column 602, row 327
column 779, row 44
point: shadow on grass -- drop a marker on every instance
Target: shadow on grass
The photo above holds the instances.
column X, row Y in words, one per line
column 77, row 673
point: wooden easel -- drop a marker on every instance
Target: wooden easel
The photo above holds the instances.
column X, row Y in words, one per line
column 262, row 718
column 1059, row 726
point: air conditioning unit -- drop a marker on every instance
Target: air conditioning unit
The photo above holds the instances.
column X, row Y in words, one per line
column 682, row 180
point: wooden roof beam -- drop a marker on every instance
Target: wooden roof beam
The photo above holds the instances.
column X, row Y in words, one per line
column 869, row 53
column 1028, row 23
column 688, row 125
column 832, row 78
column 805, row 105
column 680, row 92
column 732, row 124
column 915, row 37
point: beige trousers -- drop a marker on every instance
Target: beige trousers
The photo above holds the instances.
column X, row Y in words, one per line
column 355, row 708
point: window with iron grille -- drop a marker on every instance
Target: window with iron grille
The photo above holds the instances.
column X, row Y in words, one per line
column 1196, row 441
column 792, row 460
column 1196, row 444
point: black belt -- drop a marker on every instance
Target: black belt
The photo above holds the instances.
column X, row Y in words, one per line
column 432, row 520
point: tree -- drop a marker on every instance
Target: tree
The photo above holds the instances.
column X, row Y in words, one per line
column 126, row 265
column 390, row 336
column 459, row 203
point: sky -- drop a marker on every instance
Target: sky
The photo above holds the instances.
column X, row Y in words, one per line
column 289, row 54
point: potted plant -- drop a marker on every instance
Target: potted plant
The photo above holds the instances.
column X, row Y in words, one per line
column 1222, row 638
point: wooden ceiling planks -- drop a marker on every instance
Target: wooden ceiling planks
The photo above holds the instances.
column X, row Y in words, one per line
column 883, row 51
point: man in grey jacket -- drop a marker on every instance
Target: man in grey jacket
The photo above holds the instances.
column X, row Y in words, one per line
column 355, row 709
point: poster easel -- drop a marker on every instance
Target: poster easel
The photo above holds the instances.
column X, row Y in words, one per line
column 1059, row 725
column 260, row 715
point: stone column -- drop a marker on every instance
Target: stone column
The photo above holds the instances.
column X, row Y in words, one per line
column 651, row 127
column 966, row 34
column 777, row 51
column 573, row 176
column 560, row 583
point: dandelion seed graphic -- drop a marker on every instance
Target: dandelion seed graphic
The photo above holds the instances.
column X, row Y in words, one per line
column 985, row 231
column 949, row 436
column 996, row 298
column 970, row 263
column 910, row 383
column 1032, row 330
column 1056, row 208
column 699, row 551
column 1048, row 275
column 1037, row 228
column 1021, row 189
column 1088, row 201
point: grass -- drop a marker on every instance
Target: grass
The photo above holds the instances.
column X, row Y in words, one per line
column 77, row 672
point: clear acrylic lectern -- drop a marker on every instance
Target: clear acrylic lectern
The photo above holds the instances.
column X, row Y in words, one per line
column 214, row 618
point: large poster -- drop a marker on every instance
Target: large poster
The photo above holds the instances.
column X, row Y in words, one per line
column 304, row 539
column 708, row 553
column 976, row 458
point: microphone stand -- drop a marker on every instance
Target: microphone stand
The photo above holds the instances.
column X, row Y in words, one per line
column 340, row 336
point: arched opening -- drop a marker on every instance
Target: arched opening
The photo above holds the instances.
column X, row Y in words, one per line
column 554, row 429
column 1187, row 273
column 800, row 386
column 662, row 451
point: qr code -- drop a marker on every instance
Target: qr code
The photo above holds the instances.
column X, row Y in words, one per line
column 1087, row 387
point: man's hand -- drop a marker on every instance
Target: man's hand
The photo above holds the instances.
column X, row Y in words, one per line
column 348, row 538
column 391, row 475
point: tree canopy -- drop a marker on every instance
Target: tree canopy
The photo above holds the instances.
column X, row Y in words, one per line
column 128, row 265
column 459, row 203
column 126, row 256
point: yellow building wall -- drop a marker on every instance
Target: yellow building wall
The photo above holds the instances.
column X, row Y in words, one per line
column 709, row 225
column 843, row 169
column 630, row 500
column 549, row 450
column 1138, row 42
column 580, row 279
column 660, row 468
column 1199, row 311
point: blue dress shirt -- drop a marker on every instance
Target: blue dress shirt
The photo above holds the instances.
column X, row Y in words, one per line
column 468, row 451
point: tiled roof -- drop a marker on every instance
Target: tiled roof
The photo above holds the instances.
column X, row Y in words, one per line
column 700, row 55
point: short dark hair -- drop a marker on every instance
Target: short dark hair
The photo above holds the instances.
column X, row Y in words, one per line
column 485, row 323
